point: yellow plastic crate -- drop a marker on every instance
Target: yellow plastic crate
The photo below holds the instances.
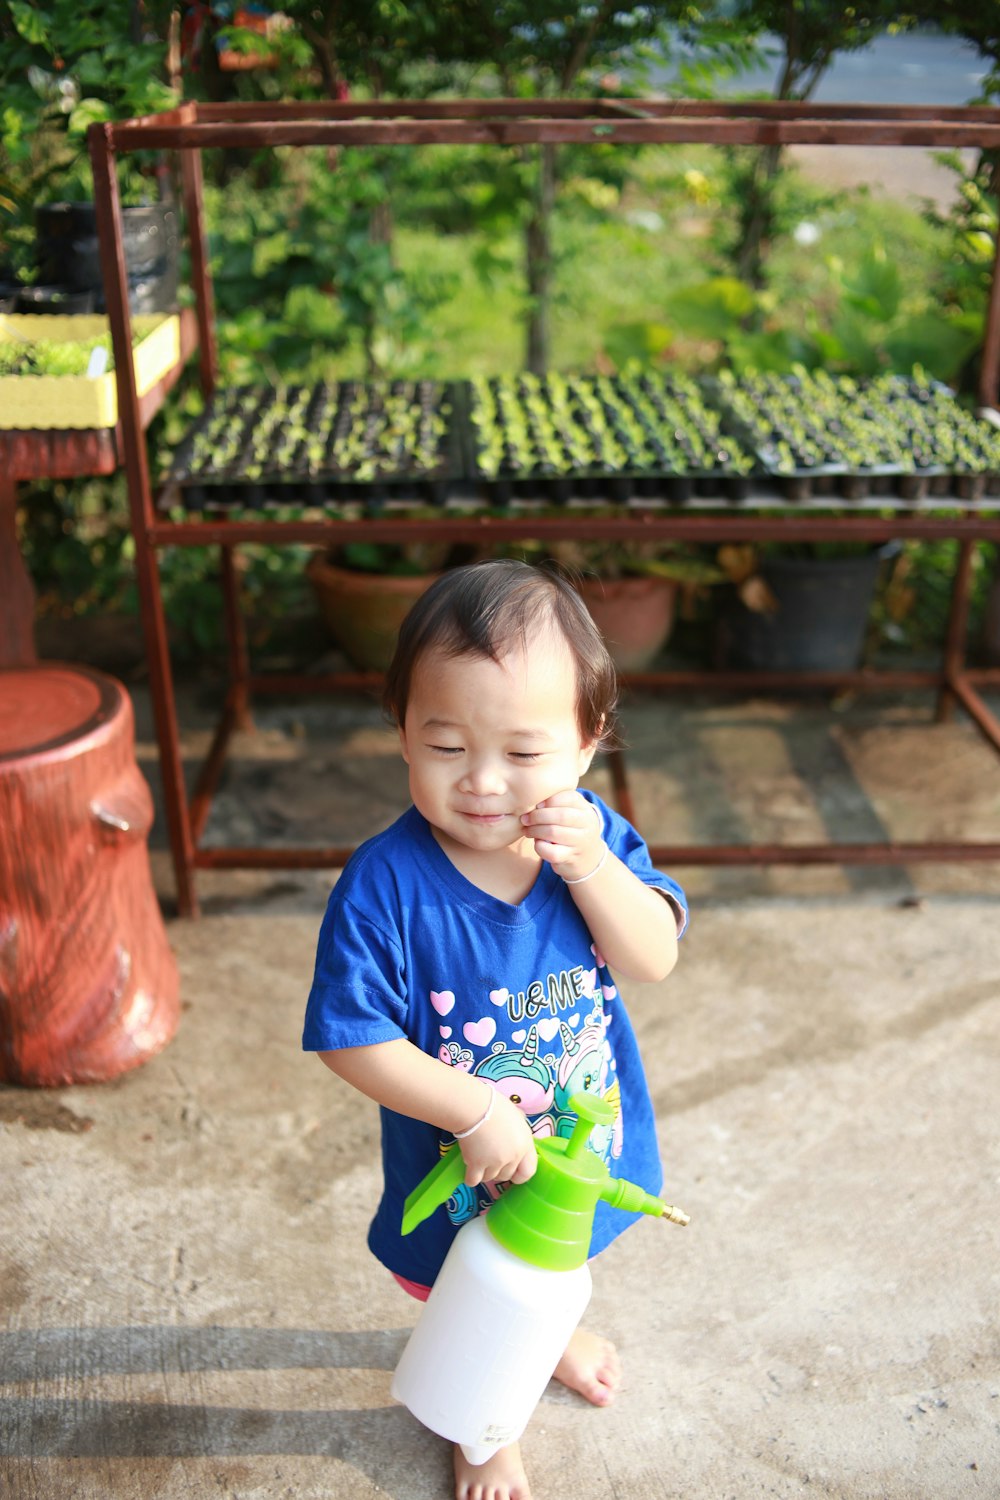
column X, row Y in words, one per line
column 58, row 401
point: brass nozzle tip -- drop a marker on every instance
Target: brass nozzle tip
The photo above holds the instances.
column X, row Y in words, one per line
column 675, row 1215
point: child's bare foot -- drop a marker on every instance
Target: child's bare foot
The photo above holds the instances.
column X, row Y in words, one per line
column 501, row 1477
column 590, row 1366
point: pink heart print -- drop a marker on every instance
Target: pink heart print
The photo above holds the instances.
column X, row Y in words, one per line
column 443, row 1001
column 480, row 1032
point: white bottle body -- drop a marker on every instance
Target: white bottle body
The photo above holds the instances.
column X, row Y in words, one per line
column 490, row 1335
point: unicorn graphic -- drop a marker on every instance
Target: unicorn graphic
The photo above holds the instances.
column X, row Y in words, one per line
column 524, row 1079
column 583, row 1068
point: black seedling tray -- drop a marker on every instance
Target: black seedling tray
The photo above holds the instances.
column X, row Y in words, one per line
column 260, row 448
column 558, row 433
column 898, row 397
column 557, row 439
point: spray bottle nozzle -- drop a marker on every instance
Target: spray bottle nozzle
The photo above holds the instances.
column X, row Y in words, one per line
column 635, row 1200
column 591, row 1111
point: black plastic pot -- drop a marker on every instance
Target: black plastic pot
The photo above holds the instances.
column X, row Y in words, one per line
column 54, row 299
column 68, row 251
column 822, row 617
column 9, row 288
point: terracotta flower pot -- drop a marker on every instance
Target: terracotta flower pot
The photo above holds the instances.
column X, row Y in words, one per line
column 363, row 611
column 635, row 616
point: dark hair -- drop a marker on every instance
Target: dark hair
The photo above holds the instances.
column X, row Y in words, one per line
column 482, row 609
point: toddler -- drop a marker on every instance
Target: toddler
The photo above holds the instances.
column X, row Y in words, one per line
column 463, row 969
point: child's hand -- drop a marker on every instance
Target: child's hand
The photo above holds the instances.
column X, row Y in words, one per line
column 502, row 1149
column 567, row 832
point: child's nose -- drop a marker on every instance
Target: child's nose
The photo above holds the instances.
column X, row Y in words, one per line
column 483, row 778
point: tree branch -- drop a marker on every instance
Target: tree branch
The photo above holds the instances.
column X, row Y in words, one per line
column 583, row 44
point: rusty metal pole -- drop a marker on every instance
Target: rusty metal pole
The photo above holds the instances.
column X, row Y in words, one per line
column 237, row 648
column 955, row 637
column 113, row 270
column 201, row 275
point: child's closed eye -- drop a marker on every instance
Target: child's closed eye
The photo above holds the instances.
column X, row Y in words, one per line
column 525, row 757
column 446, row 749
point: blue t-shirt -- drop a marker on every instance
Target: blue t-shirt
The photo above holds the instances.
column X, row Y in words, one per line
column 517, row 995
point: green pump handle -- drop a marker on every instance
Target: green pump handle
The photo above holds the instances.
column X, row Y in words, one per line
column 440, row 1184
column 546, row 1220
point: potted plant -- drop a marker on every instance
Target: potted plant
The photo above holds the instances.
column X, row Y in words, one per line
column 807, row 608
column 804, row 608
column 69, row 260
column 365, row 589
column 55, row 82
column 631, row 588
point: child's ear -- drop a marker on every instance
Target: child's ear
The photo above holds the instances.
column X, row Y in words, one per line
column 590, row 749
column 402, row 743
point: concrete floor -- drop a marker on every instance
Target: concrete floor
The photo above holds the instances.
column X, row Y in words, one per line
column 188, row 1305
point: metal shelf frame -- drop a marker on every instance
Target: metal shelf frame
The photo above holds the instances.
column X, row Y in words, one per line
column 192, row 127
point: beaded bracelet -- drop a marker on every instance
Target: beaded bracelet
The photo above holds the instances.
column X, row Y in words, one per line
column 598, row 866
column 461, row 1135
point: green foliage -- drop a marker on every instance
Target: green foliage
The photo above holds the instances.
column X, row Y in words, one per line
column 535, row 48
column 812, row 32
column 646, row 342
column 298, row 278
column 20, row 355
column 760, row 209
column 62, row 66
column 917, row 603
column 711, row 309
column 969, row 229
column 876, row 327
column 838, row 301
column 544, row 47
column 272, row 585
column 411, row 262
column 395, row 560
column 384, row 47
column 79, row 556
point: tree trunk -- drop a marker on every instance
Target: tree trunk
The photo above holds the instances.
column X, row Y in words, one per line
column 381, row 223
column 798, row 81
column 757, row 217
column 538, row 263
column 88, row 985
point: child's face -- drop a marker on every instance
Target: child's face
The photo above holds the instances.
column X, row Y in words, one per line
column 486, row 741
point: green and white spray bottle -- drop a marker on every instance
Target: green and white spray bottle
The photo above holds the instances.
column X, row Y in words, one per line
column 512, row 1289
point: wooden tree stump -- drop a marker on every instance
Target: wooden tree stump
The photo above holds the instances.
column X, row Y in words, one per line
column 88, row 984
